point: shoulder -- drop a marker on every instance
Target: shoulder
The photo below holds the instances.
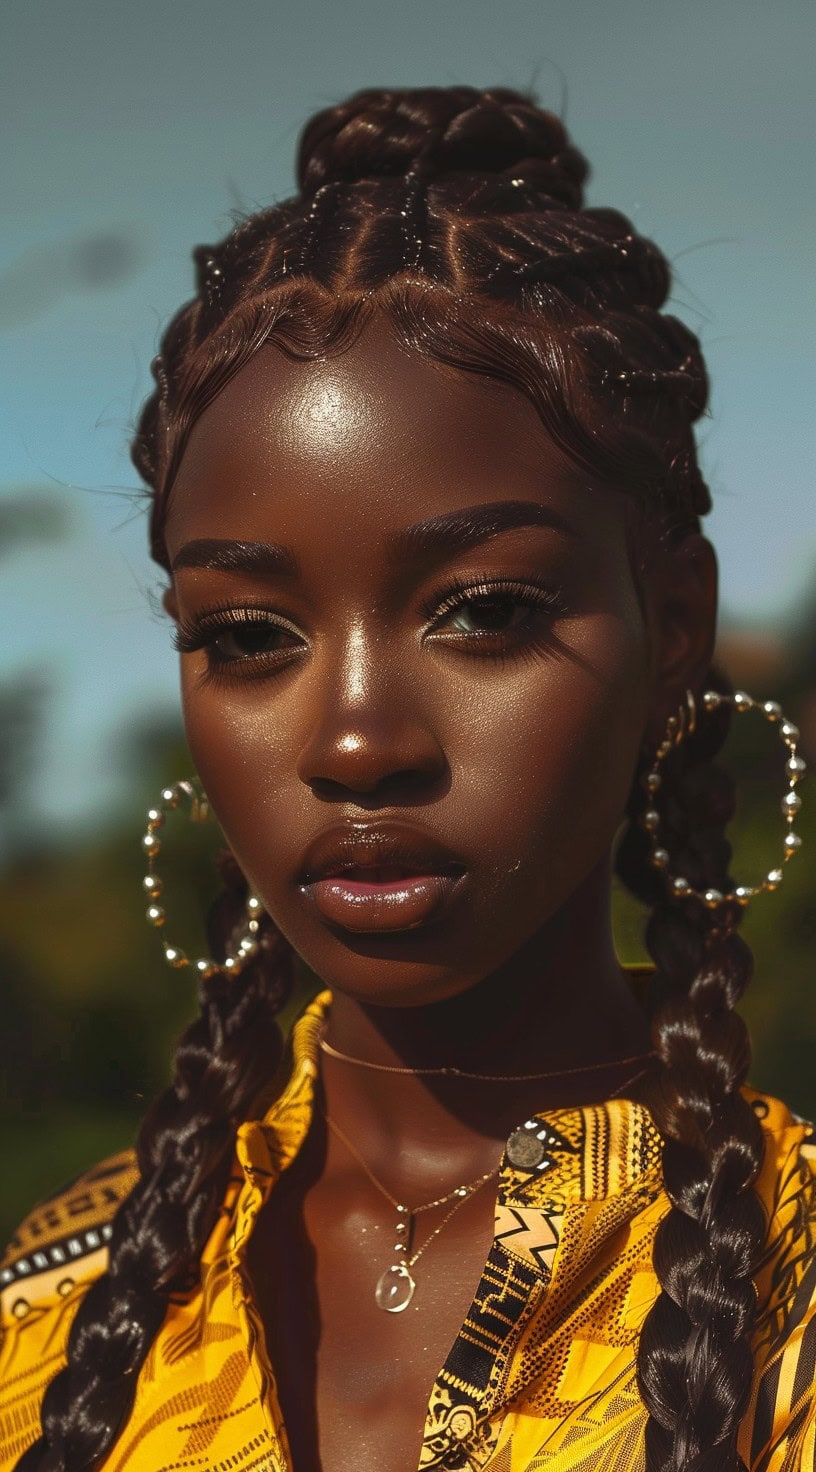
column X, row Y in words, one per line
column 63, row 1235
column 790, row 1140
column 787, row 1180
column 54, row 1256
column 56, row 1252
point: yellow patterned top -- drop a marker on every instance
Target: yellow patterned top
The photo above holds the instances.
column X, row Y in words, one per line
column 542, row 1373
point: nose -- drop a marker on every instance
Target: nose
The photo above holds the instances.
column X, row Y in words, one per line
column 370, row 737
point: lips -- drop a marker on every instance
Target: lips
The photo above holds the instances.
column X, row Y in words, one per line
column 379, row 877
column 370, row 846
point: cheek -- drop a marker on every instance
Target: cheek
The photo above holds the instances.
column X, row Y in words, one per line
column 548, row 759
column 242, row 757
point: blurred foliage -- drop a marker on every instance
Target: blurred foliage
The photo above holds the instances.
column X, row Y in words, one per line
column 91, row 1012
column 31, row 513
column 22, row 708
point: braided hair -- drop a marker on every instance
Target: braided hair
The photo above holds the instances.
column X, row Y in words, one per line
column 458, row 214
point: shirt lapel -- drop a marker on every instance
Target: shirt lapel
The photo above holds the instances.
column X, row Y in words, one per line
column 568, row 1181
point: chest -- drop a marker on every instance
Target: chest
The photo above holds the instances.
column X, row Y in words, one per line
column 355, row 1381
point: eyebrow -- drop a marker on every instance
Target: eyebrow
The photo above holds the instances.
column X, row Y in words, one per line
column 439, row 536
column 266, row 558
column 456, row 531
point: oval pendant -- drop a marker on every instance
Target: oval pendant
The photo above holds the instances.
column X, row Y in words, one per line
column 395, row 1289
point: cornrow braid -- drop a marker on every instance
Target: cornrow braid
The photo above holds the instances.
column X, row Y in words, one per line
column 458, row 214
column 695, row 1360
column 316, row 220
column 415, row 216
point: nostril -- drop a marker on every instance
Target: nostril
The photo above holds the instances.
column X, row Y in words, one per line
column 395, row 788
column 375, row 759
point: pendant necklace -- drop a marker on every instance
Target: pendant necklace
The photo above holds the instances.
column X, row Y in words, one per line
column 396, row 1285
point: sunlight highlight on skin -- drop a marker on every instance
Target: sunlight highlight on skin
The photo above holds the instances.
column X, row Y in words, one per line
column 355, row 679
column 322, row 412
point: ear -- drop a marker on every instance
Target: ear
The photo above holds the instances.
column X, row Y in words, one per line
column 682, row 601
column 169, row 603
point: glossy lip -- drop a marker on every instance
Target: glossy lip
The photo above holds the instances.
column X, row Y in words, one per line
column 333, row 874
column 346, row 846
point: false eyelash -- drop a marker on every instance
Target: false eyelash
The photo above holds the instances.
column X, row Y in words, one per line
column 191, row 635
column 195, row 633
column 460, row 591
column 520, row 646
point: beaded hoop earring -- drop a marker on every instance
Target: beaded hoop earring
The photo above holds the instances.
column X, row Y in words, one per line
column 683, row 724
column 247, row 943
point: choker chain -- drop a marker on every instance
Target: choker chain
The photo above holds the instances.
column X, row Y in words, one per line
column 450, row 1071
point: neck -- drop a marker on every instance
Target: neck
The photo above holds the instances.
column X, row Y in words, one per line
column 560, row 1004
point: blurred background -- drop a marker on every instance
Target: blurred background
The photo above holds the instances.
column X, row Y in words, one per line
column 130, row 134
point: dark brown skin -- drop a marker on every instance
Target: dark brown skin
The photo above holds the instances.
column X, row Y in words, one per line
column 515, row 750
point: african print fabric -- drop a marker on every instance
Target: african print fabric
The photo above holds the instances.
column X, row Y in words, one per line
column 541, row 1377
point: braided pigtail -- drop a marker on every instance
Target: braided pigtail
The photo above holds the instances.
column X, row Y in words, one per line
column 184, row 1150
column 694, row 1361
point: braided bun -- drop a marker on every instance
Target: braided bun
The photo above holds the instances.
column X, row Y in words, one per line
column 435, row 131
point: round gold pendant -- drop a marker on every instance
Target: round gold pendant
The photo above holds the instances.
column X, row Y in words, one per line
column 395, row 1289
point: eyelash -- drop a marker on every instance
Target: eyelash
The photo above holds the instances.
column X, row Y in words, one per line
column 192, row 635
column 461, row 591
column 201, row 633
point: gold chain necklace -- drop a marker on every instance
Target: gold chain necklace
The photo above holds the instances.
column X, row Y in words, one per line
column 489, row 1078
column 396, row 1285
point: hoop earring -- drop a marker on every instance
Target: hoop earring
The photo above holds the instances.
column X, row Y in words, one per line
column 247, row 943
column 683, row 724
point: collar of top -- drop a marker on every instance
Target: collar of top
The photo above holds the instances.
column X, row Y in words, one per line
column 588, row 1153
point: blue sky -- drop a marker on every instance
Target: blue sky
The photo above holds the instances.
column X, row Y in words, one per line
column 130, row 133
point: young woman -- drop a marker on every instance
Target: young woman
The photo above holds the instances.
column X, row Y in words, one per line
column 425, row 487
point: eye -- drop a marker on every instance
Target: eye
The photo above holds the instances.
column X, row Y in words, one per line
column 490, row 613
column 493, row 614
column 239, row 640
column 248, row 640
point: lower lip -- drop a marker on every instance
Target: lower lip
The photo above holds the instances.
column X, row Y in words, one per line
column 400, row 904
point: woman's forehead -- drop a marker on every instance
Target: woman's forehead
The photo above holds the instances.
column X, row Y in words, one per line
column 375, row 430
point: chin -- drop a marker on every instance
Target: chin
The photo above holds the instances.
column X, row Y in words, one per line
column 381, row 972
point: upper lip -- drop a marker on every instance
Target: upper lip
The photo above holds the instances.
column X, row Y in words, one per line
column 347, row 846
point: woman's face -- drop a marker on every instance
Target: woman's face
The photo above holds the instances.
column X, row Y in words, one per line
column 416, row 671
